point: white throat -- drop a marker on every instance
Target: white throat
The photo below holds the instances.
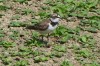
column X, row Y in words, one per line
column 54, row 20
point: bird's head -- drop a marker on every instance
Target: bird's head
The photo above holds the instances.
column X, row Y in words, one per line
column 55, row 17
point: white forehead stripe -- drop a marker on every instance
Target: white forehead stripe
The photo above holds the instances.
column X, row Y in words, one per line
column 54, row 20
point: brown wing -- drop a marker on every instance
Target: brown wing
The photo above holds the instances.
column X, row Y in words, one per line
column 41, row 26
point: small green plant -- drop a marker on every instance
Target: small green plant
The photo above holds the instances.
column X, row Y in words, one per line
column 60, row 8
column 2, row 33
column 93, row 23
column 4, row 8
column 94, row 63
column 87, row 40
column 7, row 60
column 36, row 53
column 56, row 54
column 1, row 15
column 65, row 33
column 22, row 63
column 21, row 1
column 17, row 24
column 27, row 11
column 91, row 64
column 24, row 52
column 7, row 44
column 84, row 53
column 15, row 17
column 62, row 33
column 57, row 51
column 14, row 35
column 35, row 41
column 25, row 49
column 35, row 21
column 40, row 59
column 66, row 63
column 60, row 48
column 43, row 14
column 2, row 0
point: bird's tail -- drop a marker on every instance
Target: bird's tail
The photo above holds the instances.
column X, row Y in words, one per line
column 30, row 27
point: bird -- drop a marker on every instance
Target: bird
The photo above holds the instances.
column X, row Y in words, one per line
column 47, row 26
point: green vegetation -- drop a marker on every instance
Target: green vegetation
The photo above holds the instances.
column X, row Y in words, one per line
column 21, row 1
column 76, row 39
column 17, row 24
column 7, row 44
column 2, row 33
column 22, row 63
column 66, row 63
column 4, row 8
column 40, row 59
column 27, row 11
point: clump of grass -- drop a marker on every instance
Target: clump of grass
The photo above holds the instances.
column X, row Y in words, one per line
column 24, row 52
column 84, row 53
column 7, row 60
column 2, row 0
column 15, row 17
column 7, row 44
column 91, row 24
column 35, row 41
column 43, row 14
column 22, row 63
column 87, row 41
column 59, row 33
column 60, row 48
column 14, row 35
column 2, row 33
column 40, row 59
column 17, row 24
column 4, row 8
column 58, row 51
column 65, row 33
column 1, row 15
column 66, row 63
column 21, row 1
column 27, row 11
column 56, row 54
column 36, row 53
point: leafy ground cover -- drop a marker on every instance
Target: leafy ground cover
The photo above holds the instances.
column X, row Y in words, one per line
column 76, row 42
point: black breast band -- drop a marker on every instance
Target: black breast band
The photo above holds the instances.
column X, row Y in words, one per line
column 54, row 23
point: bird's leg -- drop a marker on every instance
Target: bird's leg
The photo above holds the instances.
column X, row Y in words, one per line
column 48, row 41
column 48, row 36
column 42, row 37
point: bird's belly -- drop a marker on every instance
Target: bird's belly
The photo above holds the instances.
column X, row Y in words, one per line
column 45, row 32
column 49, row 30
